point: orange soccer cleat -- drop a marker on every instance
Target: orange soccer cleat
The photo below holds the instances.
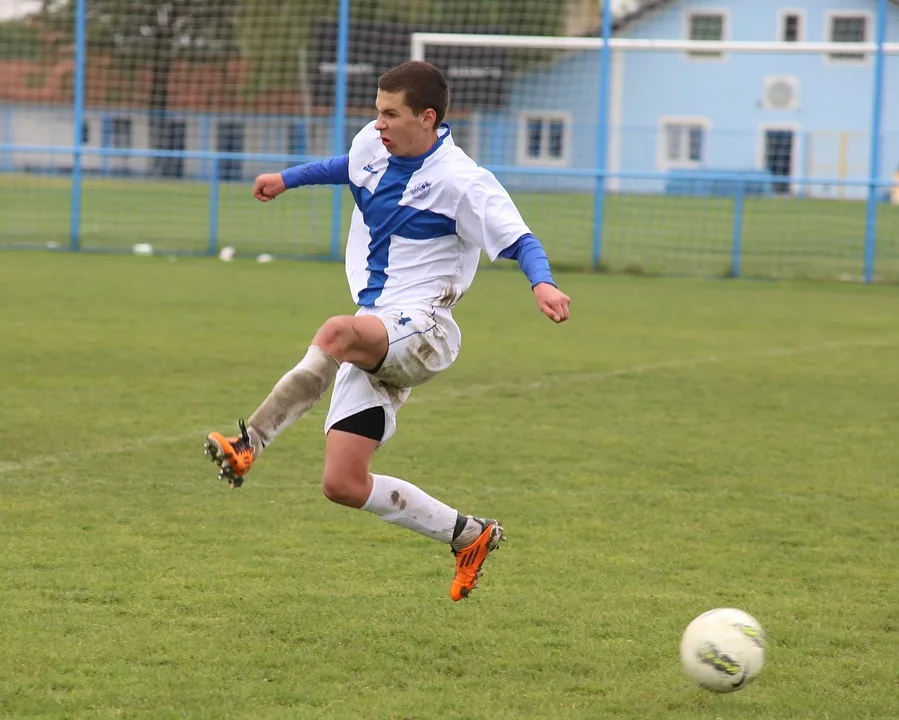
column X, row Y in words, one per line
column 234, row 456
column 470, row 559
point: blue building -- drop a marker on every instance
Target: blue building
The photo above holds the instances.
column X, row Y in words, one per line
column 805, row 115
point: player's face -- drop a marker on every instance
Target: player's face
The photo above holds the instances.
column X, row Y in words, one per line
column 402, row 131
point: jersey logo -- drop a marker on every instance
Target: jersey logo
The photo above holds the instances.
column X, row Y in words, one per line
column 422, row 190
column 404, row 319
column 369, row 169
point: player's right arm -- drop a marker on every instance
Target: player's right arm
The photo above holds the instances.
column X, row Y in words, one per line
column 487, row 217
column 333, row 171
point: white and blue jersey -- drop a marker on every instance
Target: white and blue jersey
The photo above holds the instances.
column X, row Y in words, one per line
column 420, row 223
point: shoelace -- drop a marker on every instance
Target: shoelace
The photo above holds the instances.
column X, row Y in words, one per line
column 243, row 443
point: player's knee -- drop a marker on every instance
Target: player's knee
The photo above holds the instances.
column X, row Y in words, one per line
column 345, row 487
column 336, row 336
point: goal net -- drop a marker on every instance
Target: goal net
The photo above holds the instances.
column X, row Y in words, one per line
column 708, row 141
column 723, row 155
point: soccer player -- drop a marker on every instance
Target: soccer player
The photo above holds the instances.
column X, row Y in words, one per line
column 424, row 212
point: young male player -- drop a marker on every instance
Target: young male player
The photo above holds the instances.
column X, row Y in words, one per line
column 424, row 211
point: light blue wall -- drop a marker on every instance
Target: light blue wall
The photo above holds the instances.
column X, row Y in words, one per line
column 728, row 92
column 567, row 83
column 833, row 96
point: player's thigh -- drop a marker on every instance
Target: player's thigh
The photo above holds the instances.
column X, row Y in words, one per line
column 361, row 340
column 356, row 390
column 421, row 344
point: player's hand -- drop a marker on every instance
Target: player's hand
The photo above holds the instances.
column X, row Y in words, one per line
column 552, row 302
column 268, row 186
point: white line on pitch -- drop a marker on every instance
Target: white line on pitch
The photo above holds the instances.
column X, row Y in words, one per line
column 7, row 468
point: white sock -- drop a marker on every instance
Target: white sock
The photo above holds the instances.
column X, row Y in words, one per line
column 401, row 503
column 293, row 396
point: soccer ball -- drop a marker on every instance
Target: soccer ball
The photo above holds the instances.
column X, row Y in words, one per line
column 723, row 649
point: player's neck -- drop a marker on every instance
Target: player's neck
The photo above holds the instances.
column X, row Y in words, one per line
column 423, row 146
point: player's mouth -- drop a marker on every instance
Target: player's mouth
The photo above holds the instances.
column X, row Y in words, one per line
column 385, row 141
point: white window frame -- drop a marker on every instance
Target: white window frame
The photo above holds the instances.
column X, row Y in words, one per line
column 795, row 128
column 832, row 15
column 781, row 22
column 663, row 163
column 725, row 31
column 544, row 159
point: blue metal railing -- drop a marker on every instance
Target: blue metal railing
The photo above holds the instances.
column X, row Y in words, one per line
column 737, row 185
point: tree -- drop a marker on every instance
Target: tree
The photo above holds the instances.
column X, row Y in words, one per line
column 20, row 40
column 273, row 33
column 154, row 34
column 269, row 35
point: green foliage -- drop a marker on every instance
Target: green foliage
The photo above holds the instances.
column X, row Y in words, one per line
column 20, row 40
column 154, row 31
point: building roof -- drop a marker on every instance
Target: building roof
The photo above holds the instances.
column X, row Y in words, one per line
column 196, row 87
column 645, row 8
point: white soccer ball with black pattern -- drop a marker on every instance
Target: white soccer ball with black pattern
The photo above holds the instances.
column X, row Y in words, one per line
column 723, row 649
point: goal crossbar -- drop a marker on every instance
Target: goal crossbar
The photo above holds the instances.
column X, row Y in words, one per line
column 421, row 40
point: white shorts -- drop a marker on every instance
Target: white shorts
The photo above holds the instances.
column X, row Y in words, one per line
column 422, row 342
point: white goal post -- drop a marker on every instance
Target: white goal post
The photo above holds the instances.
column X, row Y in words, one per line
column 777, row 135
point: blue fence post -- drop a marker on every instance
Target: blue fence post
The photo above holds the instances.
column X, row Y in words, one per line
column 736, row 251
column 602, row 132
column 876, row 119
column 7, row 137
column 105, row 141
column 78, row 121
column 206, row 144
column 337, row 140
column 213, row 206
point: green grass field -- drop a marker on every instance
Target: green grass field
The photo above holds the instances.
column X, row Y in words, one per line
column 644, row 234
column 679, row 445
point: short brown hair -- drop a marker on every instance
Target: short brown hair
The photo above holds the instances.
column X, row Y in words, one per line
column 424, row 86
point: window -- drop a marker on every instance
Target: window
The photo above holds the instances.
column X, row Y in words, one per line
column 791, row 27
column 705, row 25
column 120, row 132
column 544, row 139
column 682, row 142
column 847, row 29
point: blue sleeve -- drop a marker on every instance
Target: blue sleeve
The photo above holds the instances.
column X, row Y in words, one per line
column 529, row 253
column 333, row 171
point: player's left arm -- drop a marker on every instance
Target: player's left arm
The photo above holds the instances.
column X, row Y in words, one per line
column 531, row 256
column 487, row 217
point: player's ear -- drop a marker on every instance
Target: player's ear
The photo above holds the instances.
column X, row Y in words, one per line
column 429, row 118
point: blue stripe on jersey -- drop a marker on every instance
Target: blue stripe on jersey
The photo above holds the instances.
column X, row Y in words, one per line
column 384, row 217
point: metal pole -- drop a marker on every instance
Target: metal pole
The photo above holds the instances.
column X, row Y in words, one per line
column 212, row 247
column 736, row 252
column 78, row 122
column 337, row 139
column 876, row 119
column 602, row 132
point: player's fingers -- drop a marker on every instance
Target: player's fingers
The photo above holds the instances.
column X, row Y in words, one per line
column 560, row 310
column 551, row 312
